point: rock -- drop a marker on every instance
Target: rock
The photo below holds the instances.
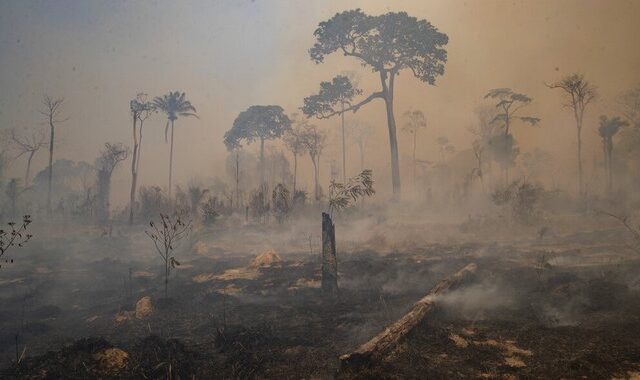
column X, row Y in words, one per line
column 111, row 359
column 144, row 307
column 265, row 259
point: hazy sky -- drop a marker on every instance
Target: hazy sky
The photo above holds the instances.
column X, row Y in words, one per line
column 228, row 55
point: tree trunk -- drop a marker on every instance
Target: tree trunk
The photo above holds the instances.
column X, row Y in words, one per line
column 134, row 173
column 295, row 172
column 237, row 177
column 415, row 132
column 329, row 259
column 393, row 141
column 166, row 275
column 383, row 343
column 580, row 179
column 50, row 179
column 344, row 149
column 26, row 175
column 261, row 161
column 315, row 178
column 171, row 160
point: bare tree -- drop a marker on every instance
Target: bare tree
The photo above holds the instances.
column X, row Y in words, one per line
column 52, row 112
column 16, row 236
column 165, row 236
column 29, row 144
column 294, row 140
column 141, row 108
column 314, row 142
column 579, row 93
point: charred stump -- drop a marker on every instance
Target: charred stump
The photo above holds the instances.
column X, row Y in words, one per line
column 329, row 259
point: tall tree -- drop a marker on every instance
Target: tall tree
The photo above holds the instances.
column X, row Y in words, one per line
column 140, row 109
column 52, row 112
column 332, row 99
column 509, row 103
column 314, row 141
column 109, row 158
column 578, row 93
column 174, row 104
column 234, row 147
column 414, row 121
column 629, row 104
column 388, row 44
column 608, row 128
column 28, row 143
column 359, row 132
column 293, row 139
column 258, row 123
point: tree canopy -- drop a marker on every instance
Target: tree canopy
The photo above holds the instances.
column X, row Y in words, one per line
column 387, row 43
column 509, row 103
column 340, row 91
column 257, row 123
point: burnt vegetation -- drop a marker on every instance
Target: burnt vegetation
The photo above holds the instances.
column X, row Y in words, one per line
column 321, row 242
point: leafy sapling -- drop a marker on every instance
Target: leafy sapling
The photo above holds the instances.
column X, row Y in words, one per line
column 165, row 235
column 15, row 236
column 342, row 195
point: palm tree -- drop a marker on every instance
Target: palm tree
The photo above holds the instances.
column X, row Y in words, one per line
column 608, row 128
column 173, row 104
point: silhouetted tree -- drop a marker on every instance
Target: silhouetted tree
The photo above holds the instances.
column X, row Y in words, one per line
column 359, row 133
column 109, row 158
column 578, row 93
column 388, row 44
column 258, row 123
column 293, row 139
column 608, row 128
column 52, row 112
column 29, row 144
column 196, row 195
column 174, row 104
column 332, row 99
column 140, row 109
column 314, row 142
column 508, row 104
column 415, row 121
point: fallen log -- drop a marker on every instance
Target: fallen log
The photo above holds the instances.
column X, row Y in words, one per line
column 381, row 344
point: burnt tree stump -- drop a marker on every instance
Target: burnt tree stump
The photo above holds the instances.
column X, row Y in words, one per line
column 329, row 258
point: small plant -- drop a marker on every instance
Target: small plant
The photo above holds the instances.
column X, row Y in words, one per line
column 258, row 203
column 523, row 198
column 342, row 195
column 16, row 236
column 210, row 211
column 299, row 198
column 543, row 264
column 629, row 225
column 281, row 201
column 165, row 235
